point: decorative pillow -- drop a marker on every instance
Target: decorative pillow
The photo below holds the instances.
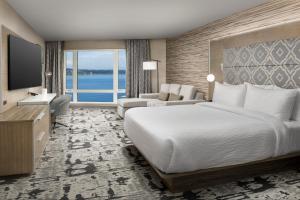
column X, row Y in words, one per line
column 296, row 111
column 175, row 97
column 231, row 95
column 163, row 96
column 278, row 103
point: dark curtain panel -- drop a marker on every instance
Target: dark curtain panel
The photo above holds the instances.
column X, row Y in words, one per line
column 54, row 63
column 137, row 80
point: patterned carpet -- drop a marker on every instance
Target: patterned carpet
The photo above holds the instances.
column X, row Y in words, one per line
column 97, row 161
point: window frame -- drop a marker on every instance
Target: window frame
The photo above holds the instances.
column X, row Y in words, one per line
column 74, row 91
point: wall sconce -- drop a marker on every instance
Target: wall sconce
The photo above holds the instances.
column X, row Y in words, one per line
column 48, row 74
column 210, row 78
column 222, row 66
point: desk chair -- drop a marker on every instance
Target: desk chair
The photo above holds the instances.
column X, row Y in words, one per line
column 59, row 106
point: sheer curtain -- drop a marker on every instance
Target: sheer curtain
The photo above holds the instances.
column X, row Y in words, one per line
column 137, row 80
column 54, row 55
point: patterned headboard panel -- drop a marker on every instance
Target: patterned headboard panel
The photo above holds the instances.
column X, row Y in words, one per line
column 276, row 62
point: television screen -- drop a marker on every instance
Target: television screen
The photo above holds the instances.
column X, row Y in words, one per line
column 24, row 64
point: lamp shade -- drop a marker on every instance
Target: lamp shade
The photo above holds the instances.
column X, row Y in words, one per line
column 210, row 78
column 150, row 65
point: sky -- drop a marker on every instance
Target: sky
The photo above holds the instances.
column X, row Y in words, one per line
column 103, row 59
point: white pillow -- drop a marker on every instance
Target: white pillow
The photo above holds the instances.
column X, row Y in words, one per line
column 269, row 87
column 231, row 95
column 278, row 103
column 225, row 83
column 296, row 111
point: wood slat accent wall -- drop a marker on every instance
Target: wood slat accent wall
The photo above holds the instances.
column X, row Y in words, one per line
column 188, row 55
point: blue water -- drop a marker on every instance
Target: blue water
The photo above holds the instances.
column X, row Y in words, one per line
column 96, row 82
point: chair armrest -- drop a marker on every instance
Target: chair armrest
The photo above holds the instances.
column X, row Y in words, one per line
column 185, row 102
column 149, row 96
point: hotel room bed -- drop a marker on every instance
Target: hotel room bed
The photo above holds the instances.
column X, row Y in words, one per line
column 182, row 139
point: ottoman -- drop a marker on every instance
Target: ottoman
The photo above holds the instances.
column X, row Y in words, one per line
column 127, row 103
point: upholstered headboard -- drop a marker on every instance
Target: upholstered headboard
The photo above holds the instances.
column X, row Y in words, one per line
column 276, row 62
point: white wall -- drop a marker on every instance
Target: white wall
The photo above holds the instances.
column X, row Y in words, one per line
column 158, row 52
column 11, row 22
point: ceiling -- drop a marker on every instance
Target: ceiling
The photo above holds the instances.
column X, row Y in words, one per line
column 123, row 19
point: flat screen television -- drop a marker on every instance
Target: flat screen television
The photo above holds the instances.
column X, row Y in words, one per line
column 24, row 64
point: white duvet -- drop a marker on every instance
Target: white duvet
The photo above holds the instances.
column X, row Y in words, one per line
column 187, row 138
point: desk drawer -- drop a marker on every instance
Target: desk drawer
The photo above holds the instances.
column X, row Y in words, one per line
column 24, row 132
column 41, row 134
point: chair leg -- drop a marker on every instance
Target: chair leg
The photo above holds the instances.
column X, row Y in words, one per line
column 63, row 125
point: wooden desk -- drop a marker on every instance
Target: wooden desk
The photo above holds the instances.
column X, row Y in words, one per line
column 41, row 99
column 24, row 133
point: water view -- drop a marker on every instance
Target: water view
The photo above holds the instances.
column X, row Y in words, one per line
column 96, row 80
column 95, row 72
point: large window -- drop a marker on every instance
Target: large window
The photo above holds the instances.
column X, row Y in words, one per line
column 95, row 75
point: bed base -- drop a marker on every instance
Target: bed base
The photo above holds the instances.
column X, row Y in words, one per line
column 180, row 182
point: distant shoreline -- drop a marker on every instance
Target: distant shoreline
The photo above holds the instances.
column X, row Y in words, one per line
column 92, row 71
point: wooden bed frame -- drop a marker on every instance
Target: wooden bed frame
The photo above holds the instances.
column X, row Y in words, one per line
column 180, row 182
